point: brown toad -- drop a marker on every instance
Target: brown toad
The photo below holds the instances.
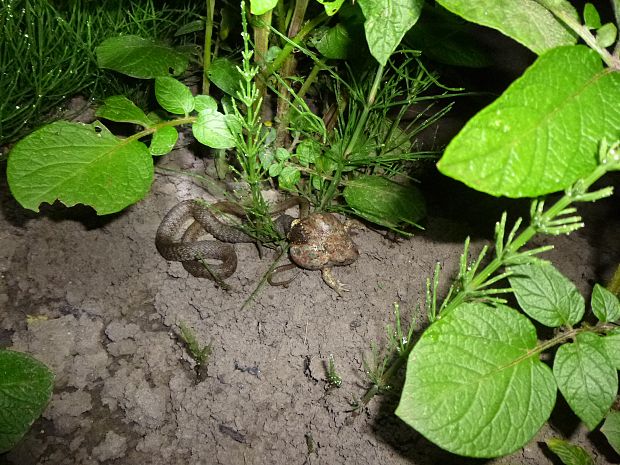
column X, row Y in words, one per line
column 319, row 242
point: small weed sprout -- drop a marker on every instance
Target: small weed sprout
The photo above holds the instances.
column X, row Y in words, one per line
column 200, row 355
column 333, row 379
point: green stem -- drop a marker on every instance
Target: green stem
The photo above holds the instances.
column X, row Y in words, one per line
column 207, row 46
column 523, row 238
column 582, row 31
column 563, row 337
column 310, row 79
column 156, row 127
column 360, row 126
column 298, row 17
column 289, row 47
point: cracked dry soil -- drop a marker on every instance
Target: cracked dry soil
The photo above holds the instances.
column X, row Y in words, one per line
column 92, row 298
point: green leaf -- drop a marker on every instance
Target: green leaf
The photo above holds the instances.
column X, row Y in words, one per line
column 79, row 163
column 605, row 304
column 385, row 202
column 386, row 23
column 611, row 430
column 121, row 109
column 25, row 390
column 568, row 453
column 197, row 25
column 546, row 295
column 140, row 58
column 258, row 7
column 173, row 96
column 331, row 6
column 163, row 140
column 586, row 377
column 543, row 133
column 335, row 43
column 205, row 103
column 591, row 17
column 282, row 154
column 606, row 35
column 212, row 129
column 474, row 386
column 612, row 346
column 289, row 177
column 526, row 21
column 308, row 151
column 275, row 169
column 226, row 76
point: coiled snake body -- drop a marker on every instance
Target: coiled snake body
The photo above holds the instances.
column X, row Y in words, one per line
column 176, row 244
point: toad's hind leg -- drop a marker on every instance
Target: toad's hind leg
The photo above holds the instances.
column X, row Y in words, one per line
column 333, row 282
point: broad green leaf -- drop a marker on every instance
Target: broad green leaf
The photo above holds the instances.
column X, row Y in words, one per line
column 591, row 17
column 79, row 163
column 173, row 96
column 612, row 345
column 282, row 154
column 606, row 35
column 163, row 140
column 611, row 430
column 308, row 151
column 140, row 58
column 331, row 6
column 225, row 75
column 289, row 177
column 586, row 377
column 335, row 43
column 385, row 202
column 543, row 133
column 25, row 389
column 121, row 109
column 267, row 158
column 212, row 130
column 474, row 386
column 526, row 21
column 275, row 169
column 605, row 304
column 205, row 103
column 546, row 295
column 568, row 453
column 386, row 23
column 258, row 7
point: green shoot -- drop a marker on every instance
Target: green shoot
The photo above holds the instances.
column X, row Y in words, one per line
column 333, row 379
column 199, row 354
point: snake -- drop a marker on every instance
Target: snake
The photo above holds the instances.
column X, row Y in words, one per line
column 177, row 242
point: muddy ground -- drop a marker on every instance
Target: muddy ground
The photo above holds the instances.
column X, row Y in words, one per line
column 92, row 298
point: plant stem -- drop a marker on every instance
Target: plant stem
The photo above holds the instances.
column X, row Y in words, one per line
column 261, row 45
column 207, row 47
column 310, row 79
column 582, row 31
column 150, row 130
column 360, row 126
column 261, row 37
column 523, row 238
column 289, row 47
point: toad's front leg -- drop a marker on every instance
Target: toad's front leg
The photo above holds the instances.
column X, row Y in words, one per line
column 332, row 281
